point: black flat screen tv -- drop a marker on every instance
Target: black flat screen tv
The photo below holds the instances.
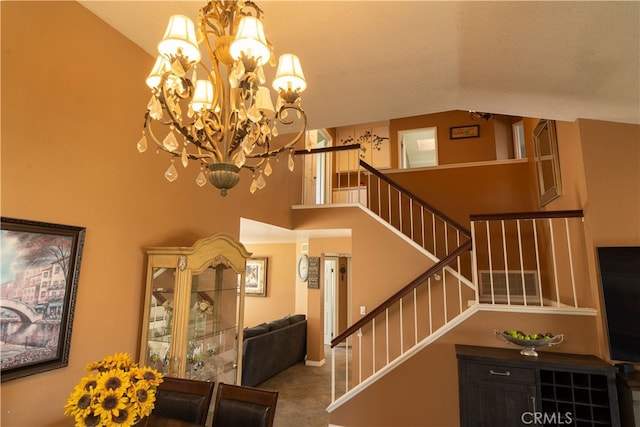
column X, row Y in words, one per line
column 620, row 280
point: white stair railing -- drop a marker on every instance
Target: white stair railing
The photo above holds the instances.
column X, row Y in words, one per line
column 530, row 259
column 392, row 330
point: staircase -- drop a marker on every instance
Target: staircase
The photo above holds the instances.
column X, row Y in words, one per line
column 519, row 261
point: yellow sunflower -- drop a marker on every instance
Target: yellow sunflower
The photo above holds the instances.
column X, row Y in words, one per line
column 90, row 420
column 79, row 402
column 126, row 417
column 142, row 397
column 120, row 394
column 114, row 380
column 87, row 383
column 151, row 376
column 109, row 404
column 117, row 361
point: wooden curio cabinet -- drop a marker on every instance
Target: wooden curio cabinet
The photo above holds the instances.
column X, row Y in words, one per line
column 194, row 305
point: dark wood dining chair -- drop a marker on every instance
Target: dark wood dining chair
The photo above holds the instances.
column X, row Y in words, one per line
column 244, row 406
column 184, row 399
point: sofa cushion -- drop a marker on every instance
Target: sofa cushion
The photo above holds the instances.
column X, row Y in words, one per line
column 279, row 323
column 253, row 331
column 296, row 318
column 266, row 355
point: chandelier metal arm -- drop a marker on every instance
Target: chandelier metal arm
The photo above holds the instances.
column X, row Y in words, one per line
column 200, row 156
column 289, row 144
column 212, row 131
column 164, row 97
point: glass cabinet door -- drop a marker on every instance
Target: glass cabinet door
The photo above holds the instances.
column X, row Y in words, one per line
column 160, row 318
column 212, row 338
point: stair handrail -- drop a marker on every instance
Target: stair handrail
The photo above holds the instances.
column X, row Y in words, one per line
column 445, row 218
column 466, row 246
column 327, row 149
column 576, row 213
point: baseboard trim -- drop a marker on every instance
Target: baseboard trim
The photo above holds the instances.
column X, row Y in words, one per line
column 316, row 363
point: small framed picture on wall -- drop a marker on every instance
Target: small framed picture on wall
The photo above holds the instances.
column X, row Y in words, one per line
column 255, row 283
column 461, row 132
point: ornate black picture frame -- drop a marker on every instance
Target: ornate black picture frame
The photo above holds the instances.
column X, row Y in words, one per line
column 40, row 270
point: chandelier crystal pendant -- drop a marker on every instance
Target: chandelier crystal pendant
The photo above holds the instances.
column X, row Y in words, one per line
column 217, row 111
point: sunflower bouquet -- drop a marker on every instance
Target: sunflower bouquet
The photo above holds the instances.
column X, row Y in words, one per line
column 116, row 392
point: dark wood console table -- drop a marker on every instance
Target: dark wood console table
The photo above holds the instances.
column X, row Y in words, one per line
column 500, row 387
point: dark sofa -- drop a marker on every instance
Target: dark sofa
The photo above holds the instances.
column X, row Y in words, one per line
column 270, row 348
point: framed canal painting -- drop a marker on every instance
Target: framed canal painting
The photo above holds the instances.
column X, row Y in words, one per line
column 40, row 269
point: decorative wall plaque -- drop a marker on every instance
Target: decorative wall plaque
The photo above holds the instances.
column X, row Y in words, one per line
column 314, row 273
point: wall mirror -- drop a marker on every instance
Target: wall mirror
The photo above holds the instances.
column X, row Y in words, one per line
column 547, row 162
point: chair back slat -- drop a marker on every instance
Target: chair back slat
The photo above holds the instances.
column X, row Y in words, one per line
column 244, row 406
column 184, row 399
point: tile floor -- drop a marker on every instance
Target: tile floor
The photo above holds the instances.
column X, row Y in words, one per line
column 304, row 393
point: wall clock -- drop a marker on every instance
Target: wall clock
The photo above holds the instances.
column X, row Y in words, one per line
column 303, row 268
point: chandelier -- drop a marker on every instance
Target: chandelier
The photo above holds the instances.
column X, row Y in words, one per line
column 217, row 112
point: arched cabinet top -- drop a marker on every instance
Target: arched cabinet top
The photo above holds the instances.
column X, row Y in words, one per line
column 210, row 251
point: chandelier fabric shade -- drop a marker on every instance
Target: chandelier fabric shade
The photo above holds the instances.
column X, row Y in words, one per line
column 180, row 38
column 158, row 70
column 202, row 95
column 289, row 76
column 250, row 41
column 264, row 103
column 218, row 113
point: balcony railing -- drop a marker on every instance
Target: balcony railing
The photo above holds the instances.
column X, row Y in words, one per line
column 530, row 259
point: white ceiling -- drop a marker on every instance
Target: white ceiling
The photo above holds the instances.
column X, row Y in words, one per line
column 367, row 61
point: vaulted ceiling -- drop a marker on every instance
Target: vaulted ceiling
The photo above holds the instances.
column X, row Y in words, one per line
column 367, row 61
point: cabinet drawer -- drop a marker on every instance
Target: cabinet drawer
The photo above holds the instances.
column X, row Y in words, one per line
column 489, row 372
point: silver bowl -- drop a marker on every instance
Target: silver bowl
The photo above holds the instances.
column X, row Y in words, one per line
column 529, row 346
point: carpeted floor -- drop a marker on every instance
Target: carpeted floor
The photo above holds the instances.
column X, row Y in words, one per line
column 304, row 393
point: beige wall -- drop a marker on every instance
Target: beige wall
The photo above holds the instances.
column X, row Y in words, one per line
column 281, row 278
column 472, row 189
column 449, row 150
column 73, row 102
column 381, row 263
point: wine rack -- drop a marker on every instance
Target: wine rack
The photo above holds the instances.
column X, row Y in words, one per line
column 582, row 395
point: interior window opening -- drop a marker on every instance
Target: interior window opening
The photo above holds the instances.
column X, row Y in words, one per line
column 419, row 148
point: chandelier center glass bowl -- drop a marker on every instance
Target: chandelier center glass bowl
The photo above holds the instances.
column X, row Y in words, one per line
column 217, row 112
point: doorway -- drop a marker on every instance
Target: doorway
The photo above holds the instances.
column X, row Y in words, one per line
column 330, row 279
column 317, row 185
column 336, row 295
